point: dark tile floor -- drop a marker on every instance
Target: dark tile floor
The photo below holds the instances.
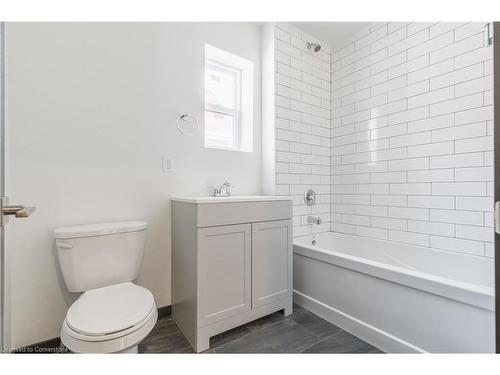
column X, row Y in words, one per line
column 301, row 332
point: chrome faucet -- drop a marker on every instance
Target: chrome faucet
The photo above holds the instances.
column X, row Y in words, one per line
column 223, row 191
column 314, row 220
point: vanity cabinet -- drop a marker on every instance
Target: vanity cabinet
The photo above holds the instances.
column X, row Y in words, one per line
column 271, row 261
column 231, row 263
column 224, row 272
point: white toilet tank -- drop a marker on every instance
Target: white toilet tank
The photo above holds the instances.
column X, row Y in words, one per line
column 97, row 255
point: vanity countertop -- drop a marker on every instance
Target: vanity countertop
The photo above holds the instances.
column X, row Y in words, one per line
column 232, row 198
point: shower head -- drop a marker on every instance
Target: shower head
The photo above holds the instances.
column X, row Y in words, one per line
column 314, row 46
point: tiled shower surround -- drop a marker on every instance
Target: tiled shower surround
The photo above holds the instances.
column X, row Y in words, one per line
column 411, row 139
column 412, row 136
column 302, row 137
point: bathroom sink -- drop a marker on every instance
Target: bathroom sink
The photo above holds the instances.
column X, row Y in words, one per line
column 232, row 198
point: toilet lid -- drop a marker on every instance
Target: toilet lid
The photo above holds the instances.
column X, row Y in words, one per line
column 111, row 309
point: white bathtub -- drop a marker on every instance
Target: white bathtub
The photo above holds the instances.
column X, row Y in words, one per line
column 397, row 297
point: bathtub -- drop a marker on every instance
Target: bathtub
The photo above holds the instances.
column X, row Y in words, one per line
column 399, row 298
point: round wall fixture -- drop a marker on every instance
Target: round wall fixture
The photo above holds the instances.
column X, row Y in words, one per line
column 310, row 197
column 187, row 124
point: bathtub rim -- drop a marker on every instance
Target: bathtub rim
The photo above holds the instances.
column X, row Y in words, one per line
column 472, row 294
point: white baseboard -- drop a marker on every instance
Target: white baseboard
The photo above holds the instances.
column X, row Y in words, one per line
column 374, row 336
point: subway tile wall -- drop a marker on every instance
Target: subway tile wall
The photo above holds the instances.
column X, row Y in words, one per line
column 405, row 112
column 303, row 124
column 411, row 134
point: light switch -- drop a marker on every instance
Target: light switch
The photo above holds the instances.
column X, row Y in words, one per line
column 168, row 165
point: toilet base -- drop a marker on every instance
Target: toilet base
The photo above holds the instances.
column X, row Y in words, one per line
column 132, row 350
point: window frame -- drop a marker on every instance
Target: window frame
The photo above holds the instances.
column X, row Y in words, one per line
column 242, row 112
column 235, row 112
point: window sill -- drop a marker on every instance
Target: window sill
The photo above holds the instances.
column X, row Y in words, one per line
column 220, row 148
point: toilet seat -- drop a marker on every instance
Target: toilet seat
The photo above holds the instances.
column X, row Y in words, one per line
column 109, row 310
column 109, row 319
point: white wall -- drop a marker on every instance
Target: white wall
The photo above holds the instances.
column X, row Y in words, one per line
column 302, row 120
column 412, row 136
column 91, row 110
column 268, row 119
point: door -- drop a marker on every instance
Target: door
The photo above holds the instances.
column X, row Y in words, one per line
column 2, row 174
column 271, row 261
column 224, row 272
column 496, row 104
column 6, row 210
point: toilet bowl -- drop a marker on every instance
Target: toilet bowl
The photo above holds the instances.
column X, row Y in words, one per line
column 113, row 315
column 110, row 319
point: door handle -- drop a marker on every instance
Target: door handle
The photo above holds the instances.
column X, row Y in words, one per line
column 18, row 211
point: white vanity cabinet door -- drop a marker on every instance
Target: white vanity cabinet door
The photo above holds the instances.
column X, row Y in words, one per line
column 271, row 261
column 224, row 272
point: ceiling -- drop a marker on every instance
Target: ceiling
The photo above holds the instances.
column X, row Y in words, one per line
column 332, row 33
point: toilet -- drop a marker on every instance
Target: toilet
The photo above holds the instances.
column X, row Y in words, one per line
column 113, row 315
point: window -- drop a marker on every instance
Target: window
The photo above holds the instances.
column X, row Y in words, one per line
column 228, row 100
